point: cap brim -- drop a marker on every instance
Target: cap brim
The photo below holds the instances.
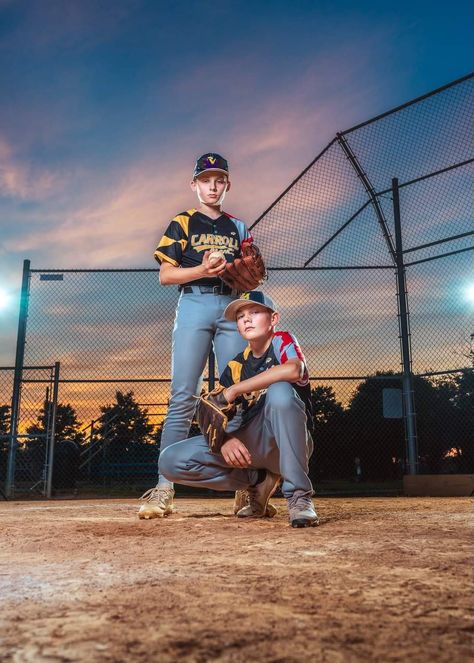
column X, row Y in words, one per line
column 230, row 312
column 212, row 170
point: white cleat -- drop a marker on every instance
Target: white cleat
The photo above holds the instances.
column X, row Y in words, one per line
column 158, row 503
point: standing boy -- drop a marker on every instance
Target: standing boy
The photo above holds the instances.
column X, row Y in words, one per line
column 185, row 256
column 270, row 382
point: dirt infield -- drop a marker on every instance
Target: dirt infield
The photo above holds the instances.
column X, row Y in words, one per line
column 380, row 580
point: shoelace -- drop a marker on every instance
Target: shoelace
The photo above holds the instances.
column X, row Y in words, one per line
column 241, row 495
column 153, row 493
column 300, row 502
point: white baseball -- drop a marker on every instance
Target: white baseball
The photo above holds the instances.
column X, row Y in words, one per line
column 215, row 257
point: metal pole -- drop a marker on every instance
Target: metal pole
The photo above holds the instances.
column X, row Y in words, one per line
column 17, row 379
column 49, row 481
column 89, row 452
column 47, row 416
column 212, row 369
column 404, row 325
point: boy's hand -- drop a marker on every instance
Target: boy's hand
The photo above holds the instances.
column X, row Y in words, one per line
column 229, row 394
column 235, row 453
column 214, row 269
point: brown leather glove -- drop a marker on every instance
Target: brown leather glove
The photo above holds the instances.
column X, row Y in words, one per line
column 213, row 414
column 247, row 272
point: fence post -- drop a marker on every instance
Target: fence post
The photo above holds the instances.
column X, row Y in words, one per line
column 17, row 378
column 404, row 326
column 52, row 432
column 89, row 457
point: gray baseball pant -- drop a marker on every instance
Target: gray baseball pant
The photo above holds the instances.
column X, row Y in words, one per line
column 277, row 439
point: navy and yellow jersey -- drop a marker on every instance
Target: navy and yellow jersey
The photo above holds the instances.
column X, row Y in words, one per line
column 192, row 233
column 283, row 347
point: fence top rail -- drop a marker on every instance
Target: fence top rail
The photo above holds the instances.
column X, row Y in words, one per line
column 27, row 368
column 73, row 271
column 410, row 103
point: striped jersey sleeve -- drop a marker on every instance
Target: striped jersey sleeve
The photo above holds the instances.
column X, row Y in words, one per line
column 173, row 243
column 287, row 347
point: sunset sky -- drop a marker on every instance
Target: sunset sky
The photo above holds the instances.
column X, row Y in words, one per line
column 106, row 105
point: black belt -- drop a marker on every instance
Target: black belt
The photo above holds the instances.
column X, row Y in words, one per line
column 221, row 289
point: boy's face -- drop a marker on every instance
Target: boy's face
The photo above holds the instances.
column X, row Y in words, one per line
column 256, row 322
column 211, row 188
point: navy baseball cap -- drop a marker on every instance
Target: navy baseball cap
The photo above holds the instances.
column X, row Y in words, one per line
column 211, row 161
column 246, row 298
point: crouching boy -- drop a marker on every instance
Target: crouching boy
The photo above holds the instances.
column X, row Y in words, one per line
column 269, row 382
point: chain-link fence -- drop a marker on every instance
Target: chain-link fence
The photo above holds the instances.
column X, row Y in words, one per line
column 34, row 437
column 370, row 254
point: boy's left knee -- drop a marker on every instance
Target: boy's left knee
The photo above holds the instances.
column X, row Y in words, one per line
column 281, row 395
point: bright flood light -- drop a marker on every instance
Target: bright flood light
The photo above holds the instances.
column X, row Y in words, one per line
column 470, row 293
column 4, row 299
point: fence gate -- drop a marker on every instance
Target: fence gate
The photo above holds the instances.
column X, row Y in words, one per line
column 28, row 409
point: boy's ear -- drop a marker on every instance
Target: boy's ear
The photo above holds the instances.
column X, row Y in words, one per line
column 275, row 318
column 193, row 185
column 228, row 186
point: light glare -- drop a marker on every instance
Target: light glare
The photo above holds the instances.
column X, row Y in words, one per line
column 4, row 299
column 470, row 293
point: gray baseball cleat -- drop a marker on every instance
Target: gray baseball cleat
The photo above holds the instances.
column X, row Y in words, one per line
column 241, row 500
column 159, row 503
column 259, row 496
column 301, row 511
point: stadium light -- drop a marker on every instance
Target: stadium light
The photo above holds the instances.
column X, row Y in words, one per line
column 4, row 299
column 470, row 293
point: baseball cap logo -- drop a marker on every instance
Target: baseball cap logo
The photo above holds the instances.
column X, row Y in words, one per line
column 245, row 295
column 211, row 161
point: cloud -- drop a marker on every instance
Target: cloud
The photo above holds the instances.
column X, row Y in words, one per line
column 24, row 180
column 54, row 23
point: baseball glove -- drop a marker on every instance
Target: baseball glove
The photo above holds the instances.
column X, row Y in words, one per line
column 247, row 272
column 213, row 414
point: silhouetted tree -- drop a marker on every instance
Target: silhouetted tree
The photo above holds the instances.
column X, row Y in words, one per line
column 328, row 434
column 68, row 439
column 67, row 426
column 458, row 389
column 124, row 424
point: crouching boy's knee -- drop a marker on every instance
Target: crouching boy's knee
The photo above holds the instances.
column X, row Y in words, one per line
column 281, row 395
column 168, row 463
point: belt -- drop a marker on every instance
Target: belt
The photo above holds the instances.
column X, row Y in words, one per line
column 221, row 289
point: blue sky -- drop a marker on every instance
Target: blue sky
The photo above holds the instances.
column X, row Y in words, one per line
column 105, row 106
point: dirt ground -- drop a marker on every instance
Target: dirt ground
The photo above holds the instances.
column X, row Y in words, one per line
column 382, row 579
